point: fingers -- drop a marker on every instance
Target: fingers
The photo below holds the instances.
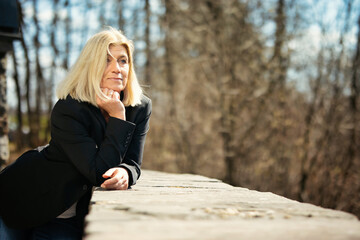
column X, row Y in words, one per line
column 109, row 173
column 116, row 95
column 115, row 185
column 114, row 181
column 119, row 179
column 111, row 97
column 108, row 92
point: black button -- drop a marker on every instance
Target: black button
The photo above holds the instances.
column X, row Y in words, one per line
column 85, row 187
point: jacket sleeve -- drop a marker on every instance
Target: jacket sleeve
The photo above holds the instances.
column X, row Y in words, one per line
column 70, row 133
column 133, row 157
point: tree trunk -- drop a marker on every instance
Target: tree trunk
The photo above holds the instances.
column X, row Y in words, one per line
column 280, row 37
column 19, row 133
column 169, row 70
column 182, row 138
column 50, row 87
column 67, row 33
column 30, row 118
column 121, row 20
column 148, row 44
column 308, row 127
column 4, row 140
column 353, row 145
column 39, row 98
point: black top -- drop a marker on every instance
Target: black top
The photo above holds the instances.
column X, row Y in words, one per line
column 39, row 186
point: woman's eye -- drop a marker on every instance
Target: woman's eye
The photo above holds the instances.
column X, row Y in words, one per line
column 123, row 61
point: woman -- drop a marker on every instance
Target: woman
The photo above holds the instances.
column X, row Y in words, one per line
column 98, row 130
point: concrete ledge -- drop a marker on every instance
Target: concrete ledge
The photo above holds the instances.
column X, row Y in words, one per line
column 184, row 206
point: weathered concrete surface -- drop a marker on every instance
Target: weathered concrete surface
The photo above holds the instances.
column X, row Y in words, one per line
column 184, row 206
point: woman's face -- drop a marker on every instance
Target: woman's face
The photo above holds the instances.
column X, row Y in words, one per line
column 117, row 69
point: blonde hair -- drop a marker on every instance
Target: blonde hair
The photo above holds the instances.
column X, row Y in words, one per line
column 83, row 80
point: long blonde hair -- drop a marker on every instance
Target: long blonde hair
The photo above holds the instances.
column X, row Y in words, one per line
column 83, row 80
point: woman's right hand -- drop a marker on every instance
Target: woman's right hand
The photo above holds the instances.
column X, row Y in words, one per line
column 112, row 105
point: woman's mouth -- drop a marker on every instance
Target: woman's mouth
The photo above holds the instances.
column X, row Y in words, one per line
column 116, row 79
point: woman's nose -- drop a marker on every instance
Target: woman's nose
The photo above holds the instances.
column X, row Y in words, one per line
column 116, row 67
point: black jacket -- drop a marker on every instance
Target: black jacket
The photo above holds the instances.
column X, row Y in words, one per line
column 40, row 185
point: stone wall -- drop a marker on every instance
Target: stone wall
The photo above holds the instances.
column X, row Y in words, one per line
column 183, row 206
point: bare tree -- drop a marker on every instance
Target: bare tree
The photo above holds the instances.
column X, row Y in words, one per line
column 40, row 81
column 4, row 140
column 30, row 115
column 66, row 59
column 352, row 150
column 148, row 44
column 50, row 85
column 19, row 135
column 121, row 20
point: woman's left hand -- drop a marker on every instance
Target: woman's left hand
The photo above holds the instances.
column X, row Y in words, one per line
column 112, row 104
column 119, row 179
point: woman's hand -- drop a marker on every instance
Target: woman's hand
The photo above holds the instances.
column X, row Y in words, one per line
column 113, row 106
column 119, row 179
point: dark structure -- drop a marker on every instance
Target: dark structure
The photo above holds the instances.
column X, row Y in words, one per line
column 9, row 31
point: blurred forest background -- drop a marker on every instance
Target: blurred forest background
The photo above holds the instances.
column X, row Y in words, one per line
column 261, row 94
